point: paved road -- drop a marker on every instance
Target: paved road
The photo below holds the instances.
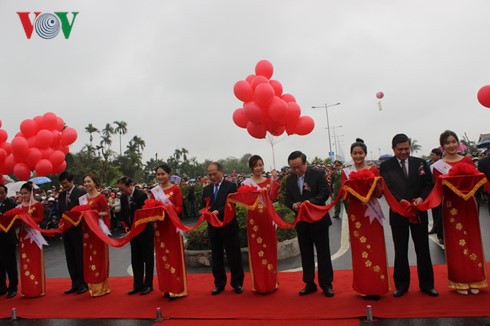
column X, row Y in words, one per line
column 120, row 257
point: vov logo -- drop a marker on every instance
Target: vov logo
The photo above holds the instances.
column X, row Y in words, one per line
column 47, row 25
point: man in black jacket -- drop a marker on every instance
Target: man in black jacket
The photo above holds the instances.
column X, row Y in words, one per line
column 226, row 237
column 307, row 184
column 409, row 178
column 142, row 257
column 8, row 245
column 72, row 238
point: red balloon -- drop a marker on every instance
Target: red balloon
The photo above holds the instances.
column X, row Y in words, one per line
column 294, row 112
column 65, row 149
column 288, row 98
column 239, row 118
column 40, row 121
column 60, row 168
column 20, row 146
column 256, row 130
column 68, row 136
column 380, row 95
column 277, row 87
column 47, row 152
column 484, row 96
column 0, row 123
column 9, row 164
column 278, row 131
column 60, row 124
column 44, row 138
column 32, row 142
column 2, row 179
column 33, row 156
column 57, row 157
column 252, row 112
column 50, row 121
column 56, row 138
column 28, row 128
column 243, row 91
column 22, row 171
column 6, row 147
column 44, row 167
column 291, row 129
column 264, row 68
column 3, row 136
column 263, row 95
column 278, row 110
column 250, row 78
column 305, row 126
column 258, row 80
column 3, row 155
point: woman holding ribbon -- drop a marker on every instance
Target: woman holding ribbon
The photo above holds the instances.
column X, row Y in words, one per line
column 262, row 237
column 32, row 276
column 169, row 245
column 462, row 236
column 95, row 251
column 369, row 262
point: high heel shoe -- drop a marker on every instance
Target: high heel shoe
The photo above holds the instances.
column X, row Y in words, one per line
column 462, row 292
column 474, row 291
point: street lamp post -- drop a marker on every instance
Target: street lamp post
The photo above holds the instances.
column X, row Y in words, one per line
column 326, row 106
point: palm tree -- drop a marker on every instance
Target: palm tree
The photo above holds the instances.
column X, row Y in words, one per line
column 108, row 131
column 414, row 147
column 121, row 129
column 138, row 143
column 91, row 129
column 184, row 153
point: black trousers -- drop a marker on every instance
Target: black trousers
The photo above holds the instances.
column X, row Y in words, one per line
column 72, row 240
column 142, row 258
column 315, row 236
column 401, row 230
column 8, row 261
column 231, row 245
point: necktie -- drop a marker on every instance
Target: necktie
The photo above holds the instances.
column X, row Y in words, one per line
column 404, row 168
column 216, row 189
column 301, row 183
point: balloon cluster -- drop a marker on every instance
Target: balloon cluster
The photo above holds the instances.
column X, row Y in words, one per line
column 40, row 146
column 266, row 108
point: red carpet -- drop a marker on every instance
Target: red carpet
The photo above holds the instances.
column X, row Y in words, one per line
column 283, row 305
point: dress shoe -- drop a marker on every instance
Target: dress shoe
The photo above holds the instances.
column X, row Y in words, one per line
column 238, row 290
column 217, row 290
column 166, row 295
column 71, row 290
column 431, row 292
column 308, row 290
column 328, row 292
column 134, row 291
column 82, row 290
column 398, row 293
column 11, row 293
column 146, row 290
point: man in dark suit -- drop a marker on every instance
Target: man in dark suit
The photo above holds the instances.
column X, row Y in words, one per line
column 409, row 178
column 8, row 245
column 142, row 257
column 72, row 238
column 224, row 238
column 307, row 184
column 484, row 167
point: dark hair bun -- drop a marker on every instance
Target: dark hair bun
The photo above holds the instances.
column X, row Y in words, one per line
column 359, row 140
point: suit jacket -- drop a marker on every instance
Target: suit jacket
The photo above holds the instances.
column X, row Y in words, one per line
column 418, row 184
column 7, row 205
column 225, row 189
column 484, row 166
column 127, row 210
column 63, row 206
column 315, row 189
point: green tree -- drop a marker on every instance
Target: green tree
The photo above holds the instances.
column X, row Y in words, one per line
column 121, row 129
column 414, row 146
column 90, row 129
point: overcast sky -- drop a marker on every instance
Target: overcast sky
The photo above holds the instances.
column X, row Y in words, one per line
column 168, row 68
